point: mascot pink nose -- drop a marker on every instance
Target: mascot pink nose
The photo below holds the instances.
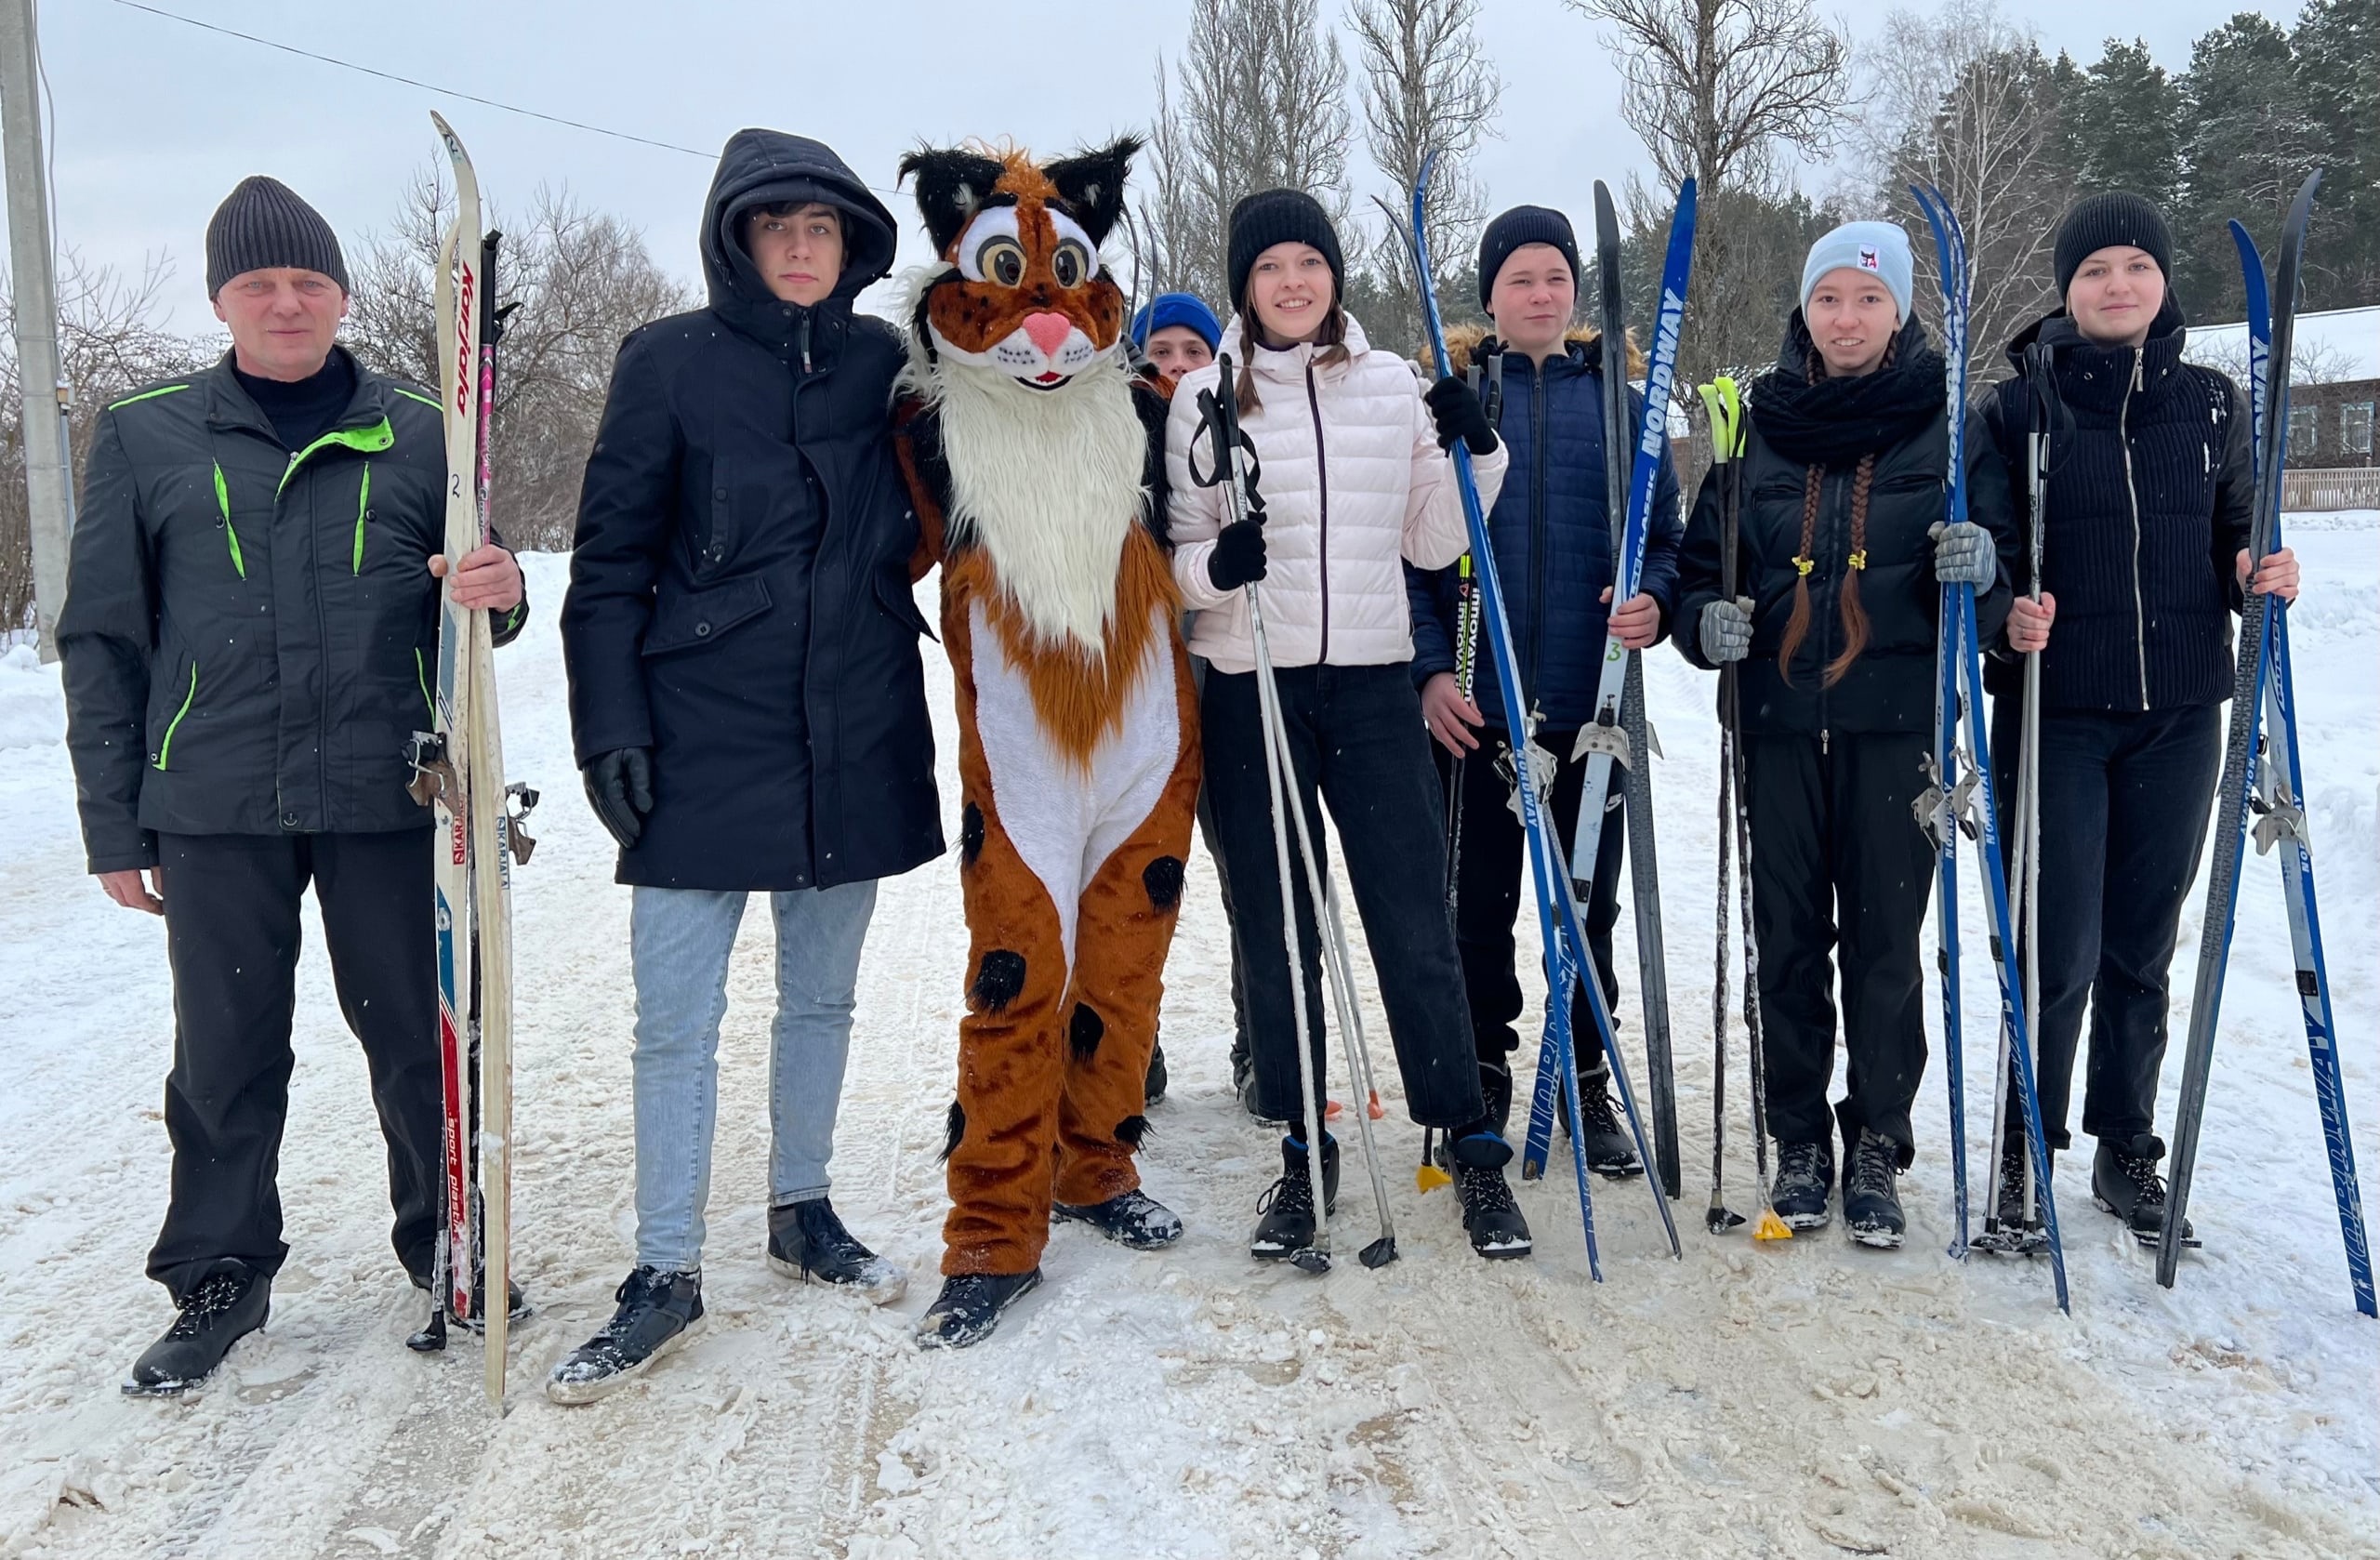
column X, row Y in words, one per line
column 1049, row 332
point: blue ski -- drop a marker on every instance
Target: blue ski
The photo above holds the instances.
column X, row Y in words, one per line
column 1952, row 801
column 2278, row 800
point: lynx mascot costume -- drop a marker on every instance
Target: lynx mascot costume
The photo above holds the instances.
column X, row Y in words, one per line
column 1035, row 462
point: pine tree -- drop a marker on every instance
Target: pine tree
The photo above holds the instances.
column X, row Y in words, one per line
column 2248, row 144
column 2127, row 117
column 2337, row 48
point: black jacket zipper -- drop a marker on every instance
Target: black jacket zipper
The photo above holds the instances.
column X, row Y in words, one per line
column 1536, row 522
column 1322, row 543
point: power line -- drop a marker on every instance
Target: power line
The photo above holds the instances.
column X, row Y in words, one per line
column 408, row 80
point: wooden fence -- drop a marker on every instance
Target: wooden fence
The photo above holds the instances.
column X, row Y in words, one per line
column 2352, row 487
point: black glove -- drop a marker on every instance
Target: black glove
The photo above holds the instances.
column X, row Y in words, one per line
column 1238, row 558
column 1458, row 416
column 619, row 786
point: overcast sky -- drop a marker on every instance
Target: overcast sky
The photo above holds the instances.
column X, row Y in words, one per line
column 155, row 120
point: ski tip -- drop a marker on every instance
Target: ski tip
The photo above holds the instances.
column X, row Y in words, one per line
column 1719, row 1219
column 1311, row 1259
column 1428, row 1178
column 1333, row 1111
column 1771, row 1228
column 1373, row 1108
column 1380, row 1253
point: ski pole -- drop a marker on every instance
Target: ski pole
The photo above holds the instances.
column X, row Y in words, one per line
column 1428, row 1175
column 1724, row 405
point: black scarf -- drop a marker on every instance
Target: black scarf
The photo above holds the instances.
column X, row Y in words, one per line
column 1835, row 422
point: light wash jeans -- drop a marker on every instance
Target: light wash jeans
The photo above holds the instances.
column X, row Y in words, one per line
column 679, row 942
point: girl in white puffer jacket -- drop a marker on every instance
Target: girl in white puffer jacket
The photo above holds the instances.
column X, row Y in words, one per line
column 1355, row 481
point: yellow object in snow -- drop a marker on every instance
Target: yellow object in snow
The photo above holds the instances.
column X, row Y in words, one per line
column 1771, row 1228
column 1428, row 1178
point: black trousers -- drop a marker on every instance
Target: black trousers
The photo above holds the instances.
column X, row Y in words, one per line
column 1493, row 865
column 2123, row 820
column 1358, row 743
column 1839, row 863
column 231, row 935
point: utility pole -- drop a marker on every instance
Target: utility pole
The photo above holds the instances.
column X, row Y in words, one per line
column 48, row 482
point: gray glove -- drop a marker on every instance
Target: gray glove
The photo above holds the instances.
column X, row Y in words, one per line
column 1964, row 554
column 1725, row 630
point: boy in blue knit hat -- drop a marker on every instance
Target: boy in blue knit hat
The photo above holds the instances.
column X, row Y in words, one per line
column 1176, row 333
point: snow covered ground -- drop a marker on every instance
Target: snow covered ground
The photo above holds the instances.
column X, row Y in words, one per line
column 1803, row 1399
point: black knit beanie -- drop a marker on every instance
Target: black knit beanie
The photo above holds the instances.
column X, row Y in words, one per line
column 1271, row 216
column 262, row 224
column 1524, row 224
column 2102, row 222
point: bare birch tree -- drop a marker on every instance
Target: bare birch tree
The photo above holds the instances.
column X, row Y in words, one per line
column 109, row 342
column 1257, row 99
column 583, row 281
column 1962, row 99
column 1427, row 88
column 1724, row 92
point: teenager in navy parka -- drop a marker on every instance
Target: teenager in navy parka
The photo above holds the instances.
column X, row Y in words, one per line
column 1552, row 530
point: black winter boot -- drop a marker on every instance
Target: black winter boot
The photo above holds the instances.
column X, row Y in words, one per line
column 970, row 1306
column 226, row 1306
column 807, row 1241
column 2125, row 1182
column 1496, row 1089
column 2018, row 1227
column 1870, row 1200
column 657, row 1312
column 1243, row 1076
column 1287, row 1226
column 1131, row 1219
column 516, row 1310
column 1609, row 1148
column 1492, row 1219
column 1804, row 1181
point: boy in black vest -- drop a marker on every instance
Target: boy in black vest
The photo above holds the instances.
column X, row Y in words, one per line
column 2143, row 525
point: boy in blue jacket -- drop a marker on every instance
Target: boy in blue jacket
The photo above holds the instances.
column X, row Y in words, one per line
column 1552, row 530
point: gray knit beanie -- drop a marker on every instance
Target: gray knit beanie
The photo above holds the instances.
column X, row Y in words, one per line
column 262, row 224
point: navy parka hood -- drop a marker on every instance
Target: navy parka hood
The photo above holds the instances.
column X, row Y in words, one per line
column 770, row 167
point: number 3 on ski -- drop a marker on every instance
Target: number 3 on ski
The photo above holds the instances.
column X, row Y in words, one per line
column 458, row 766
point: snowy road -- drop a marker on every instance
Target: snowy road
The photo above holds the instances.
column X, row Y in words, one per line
column 1803, row 1399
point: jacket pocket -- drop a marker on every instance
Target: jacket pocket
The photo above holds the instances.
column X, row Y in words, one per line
column 700, row 617
column 179, row 697
column 901, row 604
column 717, row 543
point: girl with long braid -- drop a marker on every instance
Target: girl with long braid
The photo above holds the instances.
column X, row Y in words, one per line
column 1844, row 552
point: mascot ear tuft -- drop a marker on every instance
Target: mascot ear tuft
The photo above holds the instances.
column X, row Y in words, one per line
column 952, row 185
column 1091, row 183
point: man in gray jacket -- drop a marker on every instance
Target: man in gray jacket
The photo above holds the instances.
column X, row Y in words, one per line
column 252, row 607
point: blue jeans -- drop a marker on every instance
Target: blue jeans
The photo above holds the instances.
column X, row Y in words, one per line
column 679, row 942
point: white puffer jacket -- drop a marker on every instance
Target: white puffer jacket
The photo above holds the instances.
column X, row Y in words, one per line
column 1354, row 483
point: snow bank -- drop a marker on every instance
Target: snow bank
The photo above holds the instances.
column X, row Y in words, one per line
column 33, row 710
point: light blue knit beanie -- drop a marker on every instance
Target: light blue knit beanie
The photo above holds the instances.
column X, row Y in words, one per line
column 1879, row 248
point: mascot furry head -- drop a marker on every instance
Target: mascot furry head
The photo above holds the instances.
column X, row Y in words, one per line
column 1042, row 451
column 1021, row 291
